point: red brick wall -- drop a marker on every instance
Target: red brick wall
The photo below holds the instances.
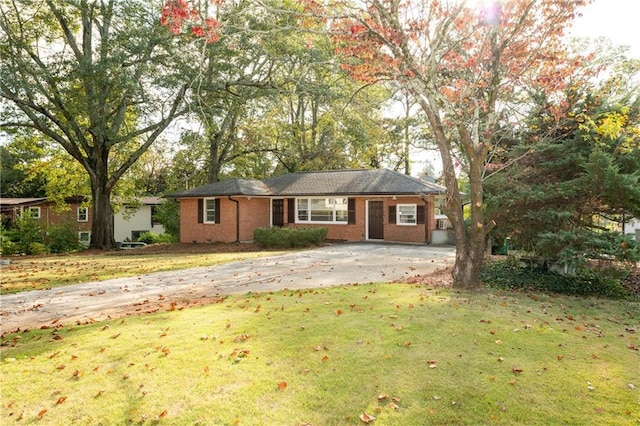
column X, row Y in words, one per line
column 51, row 215
column 256, row 213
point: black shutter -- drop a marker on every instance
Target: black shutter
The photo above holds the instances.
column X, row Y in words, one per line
column 200, row 210
column 392, row 214
column 420, row 214
column 351, row 211
column 217, row 212
column 291, row 210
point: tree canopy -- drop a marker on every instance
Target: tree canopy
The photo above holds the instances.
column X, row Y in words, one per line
column 97, row 77
column 564, row 185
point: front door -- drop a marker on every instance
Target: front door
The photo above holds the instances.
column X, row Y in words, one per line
column 277, row 212
column 376, row 223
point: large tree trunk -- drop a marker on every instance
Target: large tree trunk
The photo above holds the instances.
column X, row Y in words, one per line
column 102, row 235
column 470, row 241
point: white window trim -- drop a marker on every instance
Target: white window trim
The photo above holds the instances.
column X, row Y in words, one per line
column 86, row 214
column 87, row 241
column 415, row 215
column 33, row 210
column 323, row 222
column 205, row 210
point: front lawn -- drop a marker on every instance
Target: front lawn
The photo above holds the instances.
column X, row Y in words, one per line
column 405, row 354
column 40, row 272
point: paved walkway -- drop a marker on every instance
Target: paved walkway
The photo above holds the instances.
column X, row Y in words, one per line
column 321, row 267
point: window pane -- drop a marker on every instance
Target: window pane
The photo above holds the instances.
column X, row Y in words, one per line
column 321, row 210
column 342, row 212
column 407, row 213
column 303, row 209
column 210, row 210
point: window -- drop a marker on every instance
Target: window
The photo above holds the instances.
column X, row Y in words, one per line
column 83, row 214
column 406, row 214
column 209, row 210
column 322, row 210
column 84, row 237
column 442, row 224
column 154, row 212
column 34, row 212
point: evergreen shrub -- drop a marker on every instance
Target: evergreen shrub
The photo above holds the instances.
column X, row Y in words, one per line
column 289, row 237
column 508, row 274
column 63, row 239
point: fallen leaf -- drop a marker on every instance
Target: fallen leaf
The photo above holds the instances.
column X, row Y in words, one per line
column 366, row 417
column 282, row 385
column 382, row 396
column 42, row 413
column 61, row 400
column 393, row 406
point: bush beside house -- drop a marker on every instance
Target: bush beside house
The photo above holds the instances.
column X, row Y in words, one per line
column 289, row 237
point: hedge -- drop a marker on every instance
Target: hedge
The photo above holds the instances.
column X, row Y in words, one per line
column 289, row 237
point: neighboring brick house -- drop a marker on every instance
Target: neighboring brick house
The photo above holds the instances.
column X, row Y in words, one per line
column 47, row 213
column 354, row 205
column 129, row 222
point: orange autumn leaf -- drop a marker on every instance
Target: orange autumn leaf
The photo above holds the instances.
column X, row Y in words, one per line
column 61, row 400
column 282, row 385
column 42, row 413
column 366, row 417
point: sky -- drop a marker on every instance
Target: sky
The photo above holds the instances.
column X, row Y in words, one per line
column 614, row 19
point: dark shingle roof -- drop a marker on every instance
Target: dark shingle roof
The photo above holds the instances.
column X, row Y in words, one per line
column 227, row 187
column 334, row 182
column 350, row 182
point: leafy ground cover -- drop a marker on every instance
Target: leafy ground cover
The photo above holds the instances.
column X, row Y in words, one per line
column 39, row 272
column 401, row 353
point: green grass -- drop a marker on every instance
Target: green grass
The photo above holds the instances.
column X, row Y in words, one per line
column 324, row 357
column 35, row 273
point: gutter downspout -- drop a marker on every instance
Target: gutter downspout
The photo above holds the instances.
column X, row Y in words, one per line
column 237, row 218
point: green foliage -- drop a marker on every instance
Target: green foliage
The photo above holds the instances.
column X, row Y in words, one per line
column 574, row 248
column 564, row 184
column 105, row 104
column 509, row 274
column 168, row 214
column 15, row 158
column 7, row 247
column 153, row 238
column 289, row 237
column 26, row 234
column 37, row 248
column 63, row 239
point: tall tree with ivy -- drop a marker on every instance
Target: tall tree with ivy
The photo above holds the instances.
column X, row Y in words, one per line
column 98, row 77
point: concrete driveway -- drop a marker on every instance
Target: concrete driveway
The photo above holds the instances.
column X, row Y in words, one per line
column 331, row 265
